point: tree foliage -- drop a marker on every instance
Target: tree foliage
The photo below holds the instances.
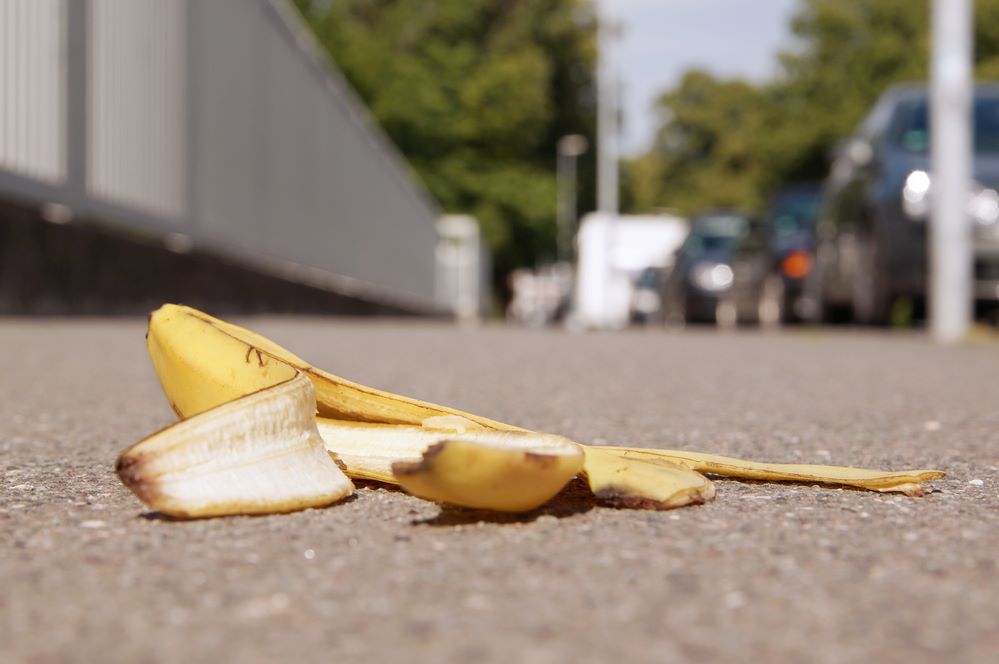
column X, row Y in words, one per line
column 729, row 143
column 475, row 93
column 704, row 152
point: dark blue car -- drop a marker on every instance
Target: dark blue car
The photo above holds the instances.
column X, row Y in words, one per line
column 771, row 264
column 696, row 288
column 872, row 231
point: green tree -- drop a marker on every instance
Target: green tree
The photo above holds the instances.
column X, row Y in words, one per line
column 849, row 52
column 846, row 52
column 704, row 153
column 475, row 93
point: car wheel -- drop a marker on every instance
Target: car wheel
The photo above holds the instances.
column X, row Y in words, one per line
column 872, row 296
column 771, row 310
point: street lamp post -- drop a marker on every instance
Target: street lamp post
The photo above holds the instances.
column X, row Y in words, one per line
column 570, row 147
column 607, row 119
column 950, row 152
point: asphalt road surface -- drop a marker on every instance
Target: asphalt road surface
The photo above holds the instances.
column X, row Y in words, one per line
column 766, row 572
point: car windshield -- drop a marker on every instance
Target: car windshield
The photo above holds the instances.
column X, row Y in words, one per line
column 794, row 211
column 911, row 128
column 715, row 233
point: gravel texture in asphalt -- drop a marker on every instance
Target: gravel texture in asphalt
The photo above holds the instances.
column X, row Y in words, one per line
column 765, row 572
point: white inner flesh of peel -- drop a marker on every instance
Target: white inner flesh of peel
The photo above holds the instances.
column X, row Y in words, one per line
column 262, row 449
column 402, row 442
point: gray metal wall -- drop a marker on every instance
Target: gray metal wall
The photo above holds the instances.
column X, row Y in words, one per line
column 217, row 123
column 32, row 89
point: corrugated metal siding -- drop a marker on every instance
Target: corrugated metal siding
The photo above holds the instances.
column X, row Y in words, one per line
column 228, row 109
column 218, row 119
column 137, row 103
column 286, row 167
column 32, row 84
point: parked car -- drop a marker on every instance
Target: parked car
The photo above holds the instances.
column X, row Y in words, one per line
column 872, row 231
column 771, row 263
column 702, row 272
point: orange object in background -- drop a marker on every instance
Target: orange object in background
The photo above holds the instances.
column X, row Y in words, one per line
column 796, row 264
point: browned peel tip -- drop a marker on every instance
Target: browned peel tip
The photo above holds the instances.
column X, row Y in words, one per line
column 414, row 467
column 129, row 470
column 338, row 461
column 407, row 467
column 123, row 466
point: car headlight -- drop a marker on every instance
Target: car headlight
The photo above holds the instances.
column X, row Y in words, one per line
column 711, row 276
column 984, row 206
column 916, row 195
column 983, row 202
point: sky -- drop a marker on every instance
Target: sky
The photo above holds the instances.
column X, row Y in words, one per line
column 660, row 39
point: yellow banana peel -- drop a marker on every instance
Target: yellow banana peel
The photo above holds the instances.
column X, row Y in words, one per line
column 336, row 397
column 258, row 454
column 212, row 370
column 504, row 471
column 908, row 481
column 643, row 483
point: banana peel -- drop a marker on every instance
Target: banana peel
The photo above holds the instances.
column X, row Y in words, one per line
column 504, row 471
column 637, row 483
column 437, row 452
column 909, row 482
column 336, row 397
column 205, row 364
column 258, row 454
column 454, row 460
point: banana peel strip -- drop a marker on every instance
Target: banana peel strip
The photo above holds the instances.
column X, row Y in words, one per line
column 204, row 362
column 908, row 482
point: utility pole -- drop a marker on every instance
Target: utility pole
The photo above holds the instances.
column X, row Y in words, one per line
column 951, row 162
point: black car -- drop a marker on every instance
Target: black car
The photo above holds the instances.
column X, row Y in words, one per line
column 702, row 272
column 872, row 231
column 771, row 263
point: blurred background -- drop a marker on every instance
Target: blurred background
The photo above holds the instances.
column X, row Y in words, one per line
column 551, row 162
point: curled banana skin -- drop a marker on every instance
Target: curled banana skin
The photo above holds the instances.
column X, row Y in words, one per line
column 258, row 454
column 206, row 365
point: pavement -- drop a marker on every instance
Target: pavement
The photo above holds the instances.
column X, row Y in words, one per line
column 765, row 572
